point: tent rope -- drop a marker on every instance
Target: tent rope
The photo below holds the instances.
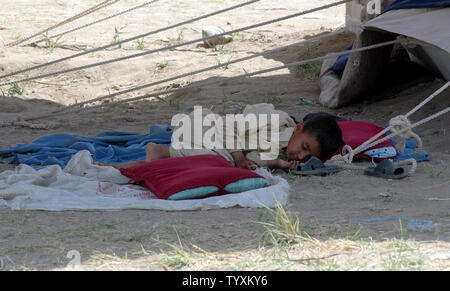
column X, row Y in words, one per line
column 118, row 43
column 156, row 50
column 400, row 127
column 227, row 79
column 230, row 62
column 73, row 18
column 93, row 23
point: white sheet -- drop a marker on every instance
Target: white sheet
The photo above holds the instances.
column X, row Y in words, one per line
column 85, row 186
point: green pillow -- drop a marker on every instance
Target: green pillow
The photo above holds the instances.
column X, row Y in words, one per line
column 193, row 193
column 235, row 187
column 246, row 185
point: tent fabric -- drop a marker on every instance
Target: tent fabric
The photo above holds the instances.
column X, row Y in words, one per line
column 353, row 76
column 429, row 46
column 339, row 66
column 362, row 72
column 434, row 25
column 107, row 147
column 407, row 4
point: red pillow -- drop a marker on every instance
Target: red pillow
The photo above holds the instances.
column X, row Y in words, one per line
column 355, row 133
column 171, row 176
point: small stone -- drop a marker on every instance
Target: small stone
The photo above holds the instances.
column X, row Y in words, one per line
column 215, row 30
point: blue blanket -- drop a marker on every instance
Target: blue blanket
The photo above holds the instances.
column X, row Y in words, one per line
column 115, row 147
column 107, row 147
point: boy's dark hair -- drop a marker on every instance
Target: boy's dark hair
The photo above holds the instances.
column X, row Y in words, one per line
column 327, row 132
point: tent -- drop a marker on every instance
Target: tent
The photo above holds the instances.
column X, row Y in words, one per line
column 424, row 23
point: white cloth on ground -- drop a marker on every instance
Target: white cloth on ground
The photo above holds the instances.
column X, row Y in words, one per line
column 85, row 186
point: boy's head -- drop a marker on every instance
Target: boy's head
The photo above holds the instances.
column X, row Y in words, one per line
column 319, row 136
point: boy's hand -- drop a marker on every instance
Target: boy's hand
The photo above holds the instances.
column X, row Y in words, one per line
column 282, row 164
column 242, row 162
column 285, row 165
column 246, row 164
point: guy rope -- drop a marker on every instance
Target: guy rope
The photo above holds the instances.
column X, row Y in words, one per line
column 156, row 94
column 156, row 50
column 115, row 44
column 399, row 127
column 94, row 22
column 73, row 18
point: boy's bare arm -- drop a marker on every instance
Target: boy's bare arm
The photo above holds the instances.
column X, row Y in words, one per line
column 282, row 164
column 242, row 162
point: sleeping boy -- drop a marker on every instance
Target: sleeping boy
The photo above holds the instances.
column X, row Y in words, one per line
column 263, row 137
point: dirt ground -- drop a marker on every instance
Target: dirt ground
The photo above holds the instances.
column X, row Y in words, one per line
column 329, row 208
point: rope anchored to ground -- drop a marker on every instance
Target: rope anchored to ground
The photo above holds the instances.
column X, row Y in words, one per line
column 73, row 18
column 93, row 23
column 227, row 79
column 114, row 44
column 400, row 128
column 159, row 49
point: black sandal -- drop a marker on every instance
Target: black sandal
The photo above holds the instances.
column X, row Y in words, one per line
column 386, row 169
column 314, row 166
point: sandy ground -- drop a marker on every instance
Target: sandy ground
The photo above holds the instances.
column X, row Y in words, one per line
column 329, row 207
